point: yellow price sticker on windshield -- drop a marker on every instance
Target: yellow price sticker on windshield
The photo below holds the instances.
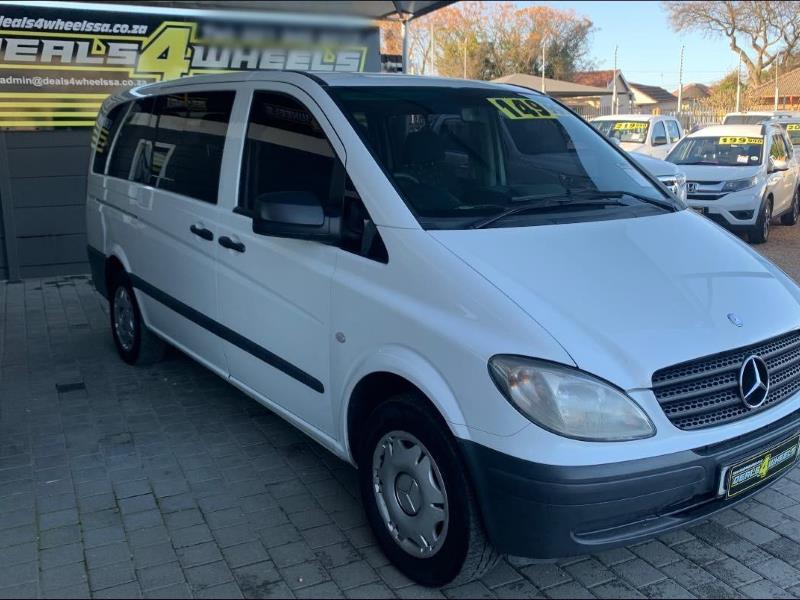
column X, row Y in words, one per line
column 732, row 140
column 793, row 127
column 521, row 108
column 629, row 125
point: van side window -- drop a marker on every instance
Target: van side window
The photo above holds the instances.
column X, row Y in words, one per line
column 190, row 136
column 103, row 134
column 778, row 150
column 674, row 131
column 658, row 131
column 285, row 150
column 133, row 149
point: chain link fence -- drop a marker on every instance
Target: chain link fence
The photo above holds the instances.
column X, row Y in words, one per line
column 691, row 118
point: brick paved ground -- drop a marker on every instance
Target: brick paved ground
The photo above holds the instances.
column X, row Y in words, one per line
column 167, row 482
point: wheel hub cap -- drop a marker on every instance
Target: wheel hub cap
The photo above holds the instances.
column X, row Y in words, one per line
column 124, row 318
column 410, row 494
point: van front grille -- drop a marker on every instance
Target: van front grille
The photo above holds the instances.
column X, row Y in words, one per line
column 705, row 392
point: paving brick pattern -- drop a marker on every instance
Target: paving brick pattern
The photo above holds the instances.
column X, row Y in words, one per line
column 120, row 482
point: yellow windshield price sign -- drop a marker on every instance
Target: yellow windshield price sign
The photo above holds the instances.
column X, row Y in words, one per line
column 521, row 108
column 630, row 126
column 793, row 127
column 732, row 140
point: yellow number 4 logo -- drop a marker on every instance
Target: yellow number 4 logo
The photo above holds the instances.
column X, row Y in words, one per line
column 166, row 53
column 764, row 468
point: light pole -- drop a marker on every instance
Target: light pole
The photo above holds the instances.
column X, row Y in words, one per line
column 614, row 84
column 680, row 84
column 465, row 56
column 739, row 83
column 776, row 84
column 544, row 60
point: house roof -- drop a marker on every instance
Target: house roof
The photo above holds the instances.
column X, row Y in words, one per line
column 788, row 85
column 694, row 91
column 594, row 78
column 553, row 87
column 653, row 91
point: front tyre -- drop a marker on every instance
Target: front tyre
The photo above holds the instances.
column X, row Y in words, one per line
column 759, row 232
column 417, row 497
column 790, row 218
column 135, row 343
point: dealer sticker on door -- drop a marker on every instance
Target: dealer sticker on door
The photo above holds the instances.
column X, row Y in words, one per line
column 762, row 467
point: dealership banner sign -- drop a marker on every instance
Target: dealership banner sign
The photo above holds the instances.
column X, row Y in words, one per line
column 59, row 60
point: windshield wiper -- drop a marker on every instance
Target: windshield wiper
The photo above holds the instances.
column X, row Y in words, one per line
column 576, row 200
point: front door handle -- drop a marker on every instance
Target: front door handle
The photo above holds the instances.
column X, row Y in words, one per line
column 202, row 232
column 228, row 243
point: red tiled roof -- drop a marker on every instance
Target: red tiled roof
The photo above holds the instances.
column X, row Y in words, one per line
column 694, row 91
column 594, row 78
column 788, row 85
column 653, row 91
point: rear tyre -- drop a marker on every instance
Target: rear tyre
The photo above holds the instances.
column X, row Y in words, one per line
column 759, row 233
column 135, row 343
column 790, row 218
column 417, row 497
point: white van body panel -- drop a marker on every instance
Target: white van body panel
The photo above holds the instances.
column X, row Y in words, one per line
column 581, row 295
column 594, row 287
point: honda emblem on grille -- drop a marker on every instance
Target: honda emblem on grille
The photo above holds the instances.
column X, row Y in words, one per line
column 753, row 381
column 691, row 187
column 734, row 318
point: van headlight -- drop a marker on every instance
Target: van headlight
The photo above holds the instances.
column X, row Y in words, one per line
column 740, row 184
column 569, row 402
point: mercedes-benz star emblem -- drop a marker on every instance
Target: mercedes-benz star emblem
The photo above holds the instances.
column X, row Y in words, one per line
column 753, row 381
column 734, row 318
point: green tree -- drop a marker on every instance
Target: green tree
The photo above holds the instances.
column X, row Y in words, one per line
column 763, row 32
column 481, row 40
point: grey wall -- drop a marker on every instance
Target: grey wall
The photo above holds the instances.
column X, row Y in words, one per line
column 47, row 188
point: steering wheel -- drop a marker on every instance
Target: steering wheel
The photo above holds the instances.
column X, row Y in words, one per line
column 408, row 176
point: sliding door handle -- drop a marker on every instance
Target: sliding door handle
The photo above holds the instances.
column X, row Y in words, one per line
column 228, row 243
column 202, row 232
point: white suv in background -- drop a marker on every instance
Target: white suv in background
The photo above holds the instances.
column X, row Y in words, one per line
column 756, row 117
column 741, row 176
column 521, row 339
column 652, row 135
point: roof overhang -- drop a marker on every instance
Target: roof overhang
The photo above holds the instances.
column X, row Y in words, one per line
column 364, row 9
column 554, row 87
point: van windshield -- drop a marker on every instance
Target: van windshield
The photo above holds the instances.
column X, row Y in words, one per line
column 745, row 119
column 460, row 156
column 793, row 131
column 624, row 131
column 726, row 150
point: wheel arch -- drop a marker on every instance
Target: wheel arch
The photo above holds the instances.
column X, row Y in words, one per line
column 399, row 370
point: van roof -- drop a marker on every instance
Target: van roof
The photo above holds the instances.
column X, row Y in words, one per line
column 736, row 130
column 322, row 78
column 635, row 118
column 325, row 79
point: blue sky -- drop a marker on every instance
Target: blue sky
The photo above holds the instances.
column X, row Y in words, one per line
column 649, row 51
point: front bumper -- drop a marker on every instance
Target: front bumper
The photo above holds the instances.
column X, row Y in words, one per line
column 730, row 209
column 545, row 511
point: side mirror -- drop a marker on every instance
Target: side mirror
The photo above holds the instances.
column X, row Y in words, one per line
column 660, row 140
column 776, row 165
column 295, row 214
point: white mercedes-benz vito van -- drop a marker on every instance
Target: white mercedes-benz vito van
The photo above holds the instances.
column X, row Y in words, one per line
column 522, row 340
